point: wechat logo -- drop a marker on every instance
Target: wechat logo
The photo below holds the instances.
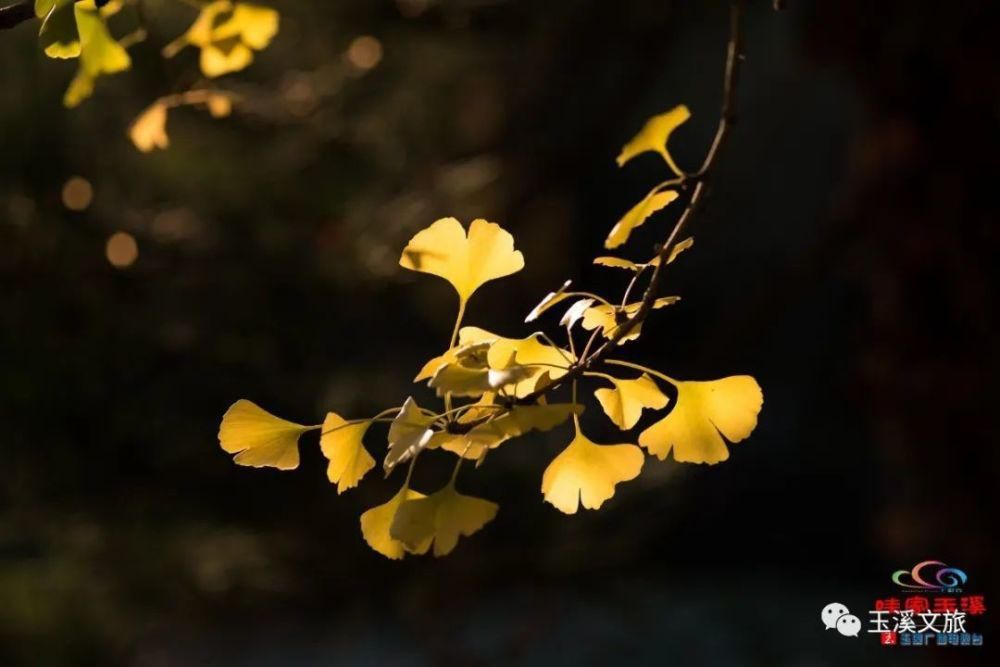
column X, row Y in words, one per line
column 836, row 616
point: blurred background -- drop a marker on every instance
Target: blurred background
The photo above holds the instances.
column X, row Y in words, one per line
column 843, row 259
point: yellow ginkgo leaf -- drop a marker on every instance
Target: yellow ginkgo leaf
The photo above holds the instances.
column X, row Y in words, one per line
column 258, row 438
column 621, row 263
column 624, row 404
column 461, row 380
column 654, row 136
column 441, row 518
column 471, row 351
column 376, row 522
column 575, row 312
column 444, row 250
column 550, row 299
column 408, row 434
column 532, row 352
column 610, row 318
column 703, row 414
column 638, row 214
column 342, row 443
column 679, row 248
column 149, row 131
column 99, row 52
column 518, row 421
column 587, row 473
column 228, row 33
column 618, row 263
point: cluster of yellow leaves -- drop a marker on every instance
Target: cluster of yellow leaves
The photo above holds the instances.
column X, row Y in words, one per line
column 500, row 377
column 227, row 33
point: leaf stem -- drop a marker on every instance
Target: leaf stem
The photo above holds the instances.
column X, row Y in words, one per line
column 639, row 367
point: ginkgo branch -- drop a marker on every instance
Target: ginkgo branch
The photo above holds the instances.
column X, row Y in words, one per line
column 698, row 182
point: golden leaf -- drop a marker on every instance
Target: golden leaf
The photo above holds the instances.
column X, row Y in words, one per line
column 228, row 33
column 258, row 438
column 149, row 130
column 550, row 299
column 376, row 523
column 99, row 52
column 638, row 214
column 587, row 473
column 610, row 318
column 342, row 443
column 624, row 404
column 518, row 421
column 704, row 413
column 621, row 263
column 654, row 136
column 440, row 518
column 467, row 262
column 408, row 434
column 575, row 312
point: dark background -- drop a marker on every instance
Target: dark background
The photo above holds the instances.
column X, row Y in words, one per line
column 844, row 260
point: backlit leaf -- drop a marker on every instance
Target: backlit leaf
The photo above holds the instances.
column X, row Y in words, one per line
column 342, row 443
column 228, row 33
column 258, row 438
column 624, row 404
column 587, row 473
column 550, row 299
column 654, row 137
column 638, row 214
column 610, row 318
column 376, row 522
column 465, row 261
column 408, row 434
column 442, row 518
column 704, row 414
column 149, row 131
column 518, row 421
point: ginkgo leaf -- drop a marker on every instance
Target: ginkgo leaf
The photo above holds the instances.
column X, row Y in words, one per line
column 470, row 350
column 442, row 518
column 610, row 318
column 228, row 33
column 99, row 52
column 260, row 439
column 679, row 248
column 518, row 421
column 587, row 473
column 149, row 131
column 621, row 263
column 376, row 523
column 550, row 299
column 654, row 136
column 638, row 214
column 460, row 380
column 342, row 443
column 506, row 353
column 408, row 434
column 624, row 404
column 465, row 261
column 58, row 35
column 575, row 312
column 704, row 414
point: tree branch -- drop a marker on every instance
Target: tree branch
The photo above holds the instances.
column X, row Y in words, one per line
column 16, row 14
column 699, row 179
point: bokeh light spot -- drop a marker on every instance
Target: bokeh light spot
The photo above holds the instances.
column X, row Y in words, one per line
column 365, row 52
column 77, row 193
column 121, row 250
